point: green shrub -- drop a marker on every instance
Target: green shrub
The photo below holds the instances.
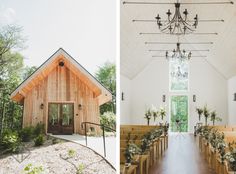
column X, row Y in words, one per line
column 71, row 153
column 30, row 169
column 108, row 119
column 80, row 169
column 10, row 141
column 27, row 134
column 39, row 129
column 39, row 140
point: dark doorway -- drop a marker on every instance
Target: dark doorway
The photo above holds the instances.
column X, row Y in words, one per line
column 61, row 118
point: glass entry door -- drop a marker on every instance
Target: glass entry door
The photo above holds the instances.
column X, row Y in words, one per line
column 179, row 113
column 61, row 118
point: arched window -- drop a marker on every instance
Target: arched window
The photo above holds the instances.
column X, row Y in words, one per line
column 178, row 75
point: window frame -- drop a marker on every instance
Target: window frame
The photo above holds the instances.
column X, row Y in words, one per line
column 170, row 80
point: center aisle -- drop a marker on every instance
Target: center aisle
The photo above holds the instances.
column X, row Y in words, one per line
column 182, row 157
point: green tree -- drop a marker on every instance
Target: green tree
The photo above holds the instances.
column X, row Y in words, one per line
column 106, row 74
column 28, row 71
column 11, row 64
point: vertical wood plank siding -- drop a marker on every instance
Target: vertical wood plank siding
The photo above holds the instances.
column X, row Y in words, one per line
column 61, row 85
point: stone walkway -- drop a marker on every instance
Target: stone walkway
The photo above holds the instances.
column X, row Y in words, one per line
column 95, row 143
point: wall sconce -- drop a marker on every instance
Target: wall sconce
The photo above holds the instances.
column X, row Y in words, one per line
column 80, row 107
column 41, row 106
column 122, row 96
column 234, row 96
column 163, row 98
column 194, row 98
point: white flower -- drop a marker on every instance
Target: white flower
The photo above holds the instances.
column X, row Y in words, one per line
column 231, row 160
column 153, row 108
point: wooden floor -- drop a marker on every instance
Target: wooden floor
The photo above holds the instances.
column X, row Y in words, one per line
column 182, row 157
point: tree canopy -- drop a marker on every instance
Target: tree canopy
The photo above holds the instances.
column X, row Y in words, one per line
column 106, row 74
column 11, row 66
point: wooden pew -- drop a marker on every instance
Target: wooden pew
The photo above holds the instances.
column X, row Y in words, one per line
column 137, row 132
column 213, row 157
column 130, row 170
column 142, row 161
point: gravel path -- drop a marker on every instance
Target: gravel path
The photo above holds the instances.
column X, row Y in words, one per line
column 50, row 158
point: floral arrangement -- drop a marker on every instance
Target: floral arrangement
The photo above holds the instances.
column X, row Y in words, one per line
column 145, row 144
column 153, row 112
column 217, row 142
column 199, row 112
column 148, row 115
column 205, row 132
column 149, row 138
column 214, row 117
column 221, row 148
column 162, row 112
column 165, row 128
column 130, row 151
column 231, row 156
column 215, row 138
column 206, row 113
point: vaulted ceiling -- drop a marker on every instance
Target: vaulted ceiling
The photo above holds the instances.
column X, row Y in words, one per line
column 135, row 54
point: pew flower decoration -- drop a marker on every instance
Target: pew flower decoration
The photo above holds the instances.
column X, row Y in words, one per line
column 199, row 112
column 162, row 112
column 231, row 156
column 221, row 147
column 145, row 144
column 148, row 115
column 149, row 138
column 130, row 152
column 165, row 128
column 205, row 133
column 215, row 138
column 214, row 117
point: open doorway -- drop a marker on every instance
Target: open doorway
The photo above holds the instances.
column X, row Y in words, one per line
column 179, row 113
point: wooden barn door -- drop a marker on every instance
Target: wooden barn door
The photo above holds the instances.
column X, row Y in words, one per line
column 61, row 118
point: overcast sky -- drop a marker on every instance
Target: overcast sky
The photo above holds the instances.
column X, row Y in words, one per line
column 86, row 29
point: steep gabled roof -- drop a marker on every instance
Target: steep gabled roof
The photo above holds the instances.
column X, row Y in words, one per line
column 101, row 92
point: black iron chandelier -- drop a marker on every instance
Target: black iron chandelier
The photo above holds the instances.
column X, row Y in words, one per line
column 178, row 54
column 177, row 24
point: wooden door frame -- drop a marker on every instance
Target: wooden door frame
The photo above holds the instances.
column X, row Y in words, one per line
column 61, row 102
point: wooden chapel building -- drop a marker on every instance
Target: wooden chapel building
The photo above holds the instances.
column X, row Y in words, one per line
column 61, row 94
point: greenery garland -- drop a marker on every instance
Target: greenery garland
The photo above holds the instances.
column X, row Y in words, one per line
column 132, row 149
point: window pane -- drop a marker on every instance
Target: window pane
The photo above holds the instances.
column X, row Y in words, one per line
column 67, row 114
column 54, row 114
column 179, row 74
